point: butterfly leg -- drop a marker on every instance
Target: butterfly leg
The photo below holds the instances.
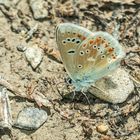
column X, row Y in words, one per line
column 74, row 94
column 87, row 100
column 73, row 103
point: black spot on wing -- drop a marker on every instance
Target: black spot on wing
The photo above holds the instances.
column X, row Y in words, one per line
column 71, row 52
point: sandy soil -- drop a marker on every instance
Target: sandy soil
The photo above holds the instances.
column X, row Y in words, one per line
column 64, row 122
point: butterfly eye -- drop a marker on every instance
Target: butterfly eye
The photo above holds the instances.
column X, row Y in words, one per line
column 81, row 53
column 103, row 56
column 94, row 47
column 98, row 48
column 80, row 66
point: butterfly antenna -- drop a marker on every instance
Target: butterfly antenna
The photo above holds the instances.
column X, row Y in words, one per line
column 116, row 26
column 116, row 31
column 74, row 94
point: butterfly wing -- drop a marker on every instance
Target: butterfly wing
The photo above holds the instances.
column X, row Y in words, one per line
column 97, row 56
column 68, row 38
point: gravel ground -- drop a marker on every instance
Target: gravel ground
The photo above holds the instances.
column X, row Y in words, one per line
column 30, row 24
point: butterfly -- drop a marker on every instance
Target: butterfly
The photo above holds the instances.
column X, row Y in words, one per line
column 87, row 56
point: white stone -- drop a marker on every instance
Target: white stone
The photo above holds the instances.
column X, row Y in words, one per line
column 34, row 56
column 21, row 47
column 117, row 87
column 39, row 8
column 6, row 3
column 102, row 128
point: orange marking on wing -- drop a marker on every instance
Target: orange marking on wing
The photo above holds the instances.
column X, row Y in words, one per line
column 83, row 38
column 110, row 50
column 79, row 35
column 103, row 41
column 84, row 45
column 106, row 45
column 91, row 41
column 93, row 53
column 95, row 40
column 98, row 41
column 113, row 56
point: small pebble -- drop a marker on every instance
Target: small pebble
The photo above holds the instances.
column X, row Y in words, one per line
column 6, row 3
column 39, row 8
column 21, row 47
column 106, row 138
column 102, row 128
column 30, row 118
column 5, row 137
column 34, row 56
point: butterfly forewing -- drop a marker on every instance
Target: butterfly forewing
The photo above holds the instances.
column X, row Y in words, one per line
column 68, row 38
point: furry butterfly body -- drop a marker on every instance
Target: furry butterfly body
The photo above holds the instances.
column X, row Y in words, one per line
column 87, row 56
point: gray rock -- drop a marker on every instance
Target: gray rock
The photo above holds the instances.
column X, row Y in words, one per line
column 116, row 86
column 5, row 109
column 138, row 32
column 102, row 128
column 5, row 137
column 30, row 118
column 21, row 47
column 17, row 27
column 34, row 56
column 6, row 3
column 39, row 8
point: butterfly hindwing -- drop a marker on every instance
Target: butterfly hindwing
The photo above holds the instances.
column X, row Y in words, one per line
column 98, row 55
